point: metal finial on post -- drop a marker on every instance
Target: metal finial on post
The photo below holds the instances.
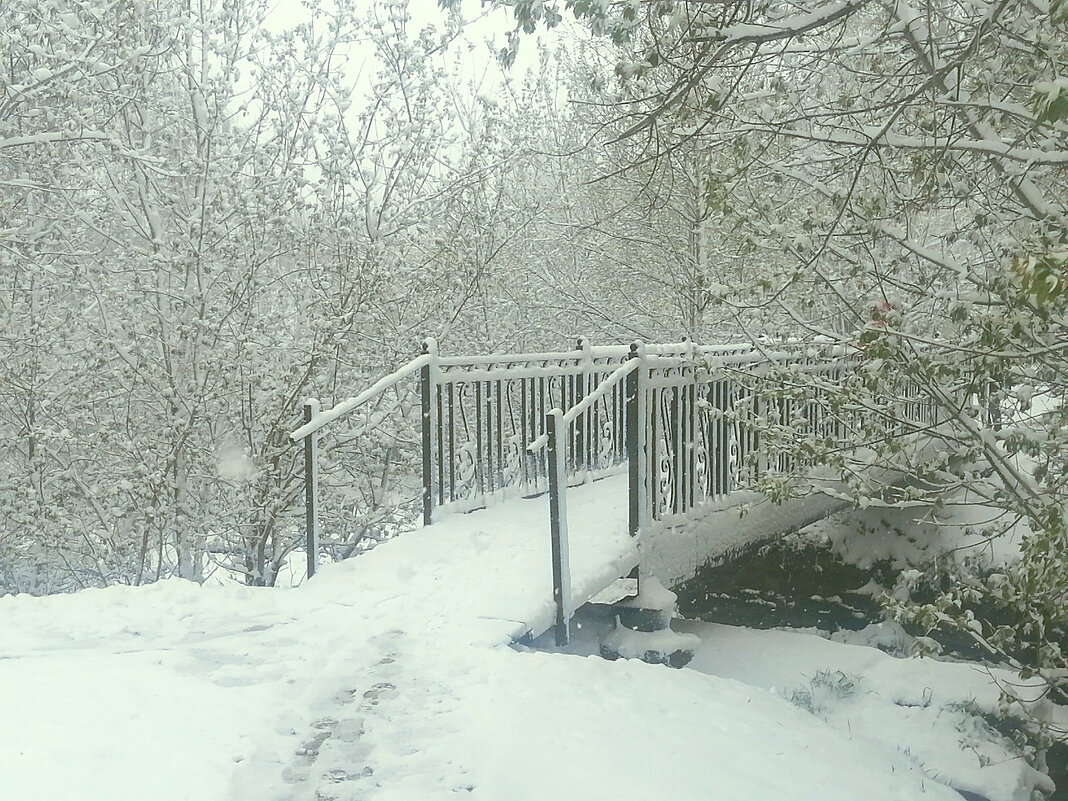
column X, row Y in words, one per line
column 311, row 488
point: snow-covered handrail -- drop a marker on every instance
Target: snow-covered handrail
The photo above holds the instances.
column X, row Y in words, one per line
column 593, row 352
column 341, row 409
column 572, row 414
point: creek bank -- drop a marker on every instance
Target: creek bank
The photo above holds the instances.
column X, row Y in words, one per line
column 800, row 582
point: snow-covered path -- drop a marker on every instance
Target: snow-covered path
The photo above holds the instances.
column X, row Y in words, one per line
column 390, row 677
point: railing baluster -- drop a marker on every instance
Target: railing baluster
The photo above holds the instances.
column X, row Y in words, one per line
column 651, row 421
column 633, row 445
column 542, row 411
column 500, row 434
column 691, row 439
column 524, row 435
column 674, row 436
column 438, row 390
column 491, row 432
column 452, row 441
column 478, row 440
column 714, row 437
column 567, row 400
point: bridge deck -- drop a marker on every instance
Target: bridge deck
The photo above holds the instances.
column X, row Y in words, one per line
column 505, row 547
column 511, row 540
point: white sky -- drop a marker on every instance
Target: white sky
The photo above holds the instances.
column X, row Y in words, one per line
column 485, row 28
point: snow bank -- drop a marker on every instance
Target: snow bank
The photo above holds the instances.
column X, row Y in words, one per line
column 926, row 710
column 389, row 677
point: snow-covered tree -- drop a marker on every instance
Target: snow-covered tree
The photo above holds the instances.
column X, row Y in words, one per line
column 898, row 172
column 206, row 222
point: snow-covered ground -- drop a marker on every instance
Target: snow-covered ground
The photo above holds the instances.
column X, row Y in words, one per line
column 390, row 676
column 928, row 711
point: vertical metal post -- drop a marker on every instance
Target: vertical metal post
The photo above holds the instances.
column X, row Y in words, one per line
column 554, row 428
column 452, row 440
column 637, row 421
column 500, row 433
column 311, row 488
column 583, row 430
column 634, row 455
column 426, row 378
column 760, row 407
column 439, row 428
column 480, row 466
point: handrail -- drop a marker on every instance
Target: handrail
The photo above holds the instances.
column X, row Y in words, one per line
column 567, row 418
column 658, row 354
column 341, row 409
column 592, row 352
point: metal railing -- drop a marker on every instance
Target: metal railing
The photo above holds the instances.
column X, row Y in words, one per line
column 478, row 415
column 704, row 421
column 691, row 423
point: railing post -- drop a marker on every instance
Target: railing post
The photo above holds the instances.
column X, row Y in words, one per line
column 585, row 430
column 426, row 378
column 761, row 409
column 554, row 429
column 634, row 454
column 689, row 392
column 311, row 488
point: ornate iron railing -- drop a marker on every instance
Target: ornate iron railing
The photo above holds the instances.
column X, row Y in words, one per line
column 691, row 423
column 480, row 414
column 702, row 422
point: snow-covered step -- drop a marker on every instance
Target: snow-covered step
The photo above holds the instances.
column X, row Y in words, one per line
column 643, row 628
column 650, row 610
column 664, row 647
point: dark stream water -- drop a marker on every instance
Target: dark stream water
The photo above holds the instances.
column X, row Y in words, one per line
column 800, row 585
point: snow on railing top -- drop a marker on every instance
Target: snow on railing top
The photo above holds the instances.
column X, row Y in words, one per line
column 602, row 389
column 321, row 419
column 520, row 365
column 588, row 352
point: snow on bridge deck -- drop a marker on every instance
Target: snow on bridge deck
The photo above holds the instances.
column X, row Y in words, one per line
column 510, row 541
column 504, row 548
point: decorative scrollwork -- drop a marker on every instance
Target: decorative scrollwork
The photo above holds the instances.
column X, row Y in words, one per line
column 512, row 470
column 466, row 472
column 700, row 455
column 606, row 445
column 665, row 484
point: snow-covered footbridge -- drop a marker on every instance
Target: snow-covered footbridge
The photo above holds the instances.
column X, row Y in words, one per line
column 391, row 678
column 601, row 459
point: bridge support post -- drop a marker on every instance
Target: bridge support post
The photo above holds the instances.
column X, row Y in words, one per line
column 634, row 453
column 635, row 427
column 311, row 488
column 426, row 378
column 554, row 427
